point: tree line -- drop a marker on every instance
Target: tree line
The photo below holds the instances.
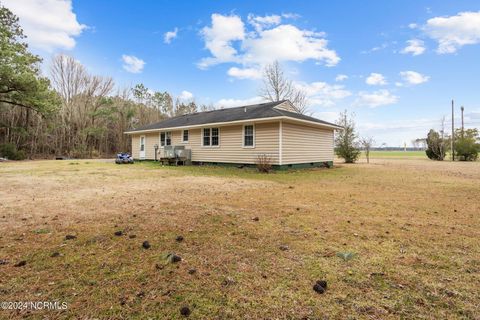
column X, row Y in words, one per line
column 74, row 113
column 71, row 112
column 466, row 144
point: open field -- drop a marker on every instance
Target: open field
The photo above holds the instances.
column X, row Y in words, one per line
column 413, row 225
column 397, row 154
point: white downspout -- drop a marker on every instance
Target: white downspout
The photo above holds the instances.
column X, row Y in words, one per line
column 280, row 143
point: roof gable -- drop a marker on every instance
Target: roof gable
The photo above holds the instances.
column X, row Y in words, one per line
column 287, row 106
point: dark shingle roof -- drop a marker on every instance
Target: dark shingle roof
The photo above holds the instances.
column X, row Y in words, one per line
column 250, row 112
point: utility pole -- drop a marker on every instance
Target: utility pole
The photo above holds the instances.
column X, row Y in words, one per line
column 462, row 108
column 452, row 142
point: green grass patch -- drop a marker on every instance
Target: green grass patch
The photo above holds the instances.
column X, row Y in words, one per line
column 397, row 155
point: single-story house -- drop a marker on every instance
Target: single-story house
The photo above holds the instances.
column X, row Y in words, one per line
column 240, row 135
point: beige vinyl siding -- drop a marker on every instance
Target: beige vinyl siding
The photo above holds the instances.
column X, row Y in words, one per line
column 305, row 144
column 135, row 146
column 230, row 150
column 150, row 140
column 287, row 106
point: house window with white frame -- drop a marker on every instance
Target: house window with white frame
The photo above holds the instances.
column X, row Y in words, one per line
column 249, row 136
column 165, row 139
column 211, row 137
column 185, row 134
column 214, row 136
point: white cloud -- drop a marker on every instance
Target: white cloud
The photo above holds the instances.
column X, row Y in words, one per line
column 398, row 131
column 329, row 116
column 246, row 73
column 218, row 39
column 228, row 41
column 132, row 64
column 376, row 79
column 413, row 78
column 472, row 119
column 454, row 32
column 341, row 77
column 413, row 26
column 259, row 23
column 288, row 43
column 170, row 35
column 400, row 124
column 415, row 47
column 375, row 99
column 185, row 96
column 318, row 94
column 377, row 48
column 290, row 15
column 323, row 94
column 48, row 24
column 229, row 103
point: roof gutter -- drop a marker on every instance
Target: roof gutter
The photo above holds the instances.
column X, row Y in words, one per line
column 324, row 125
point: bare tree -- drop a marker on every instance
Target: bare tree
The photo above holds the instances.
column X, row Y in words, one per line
column 84, row 105
column 443, row 139
column 367, row 143
column 68, row 76
column 90, row 119
column 419, row 143
column 207, row 107
column 415, row 144
column 277, row 87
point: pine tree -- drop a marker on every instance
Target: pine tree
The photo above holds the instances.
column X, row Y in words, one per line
column 346, row 140
column 20, row 82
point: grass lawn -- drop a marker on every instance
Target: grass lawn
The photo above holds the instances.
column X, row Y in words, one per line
column 397, row 155
column 253, row 245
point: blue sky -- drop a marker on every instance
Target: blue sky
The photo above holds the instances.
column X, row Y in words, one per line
column 395, row 64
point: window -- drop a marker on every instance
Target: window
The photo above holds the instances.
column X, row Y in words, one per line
column 206, row 136
column 185, row 136
column 211, row 137
column 168, row 140
column 248, row 136
column 165, row 139
column 214, row 136
column 142, row 143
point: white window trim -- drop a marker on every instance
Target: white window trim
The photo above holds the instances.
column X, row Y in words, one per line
column 243, row 136
column 160, row 139
column 210, row 146
column 183, row 135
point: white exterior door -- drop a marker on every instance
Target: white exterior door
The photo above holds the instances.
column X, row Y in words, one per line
column 142, row 147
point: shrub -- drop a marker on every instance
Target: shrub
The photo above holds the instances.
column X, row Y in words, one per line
column 10, row 151
column 264, row 163
column 346, row 140
column 436, row 146
column 466, row 146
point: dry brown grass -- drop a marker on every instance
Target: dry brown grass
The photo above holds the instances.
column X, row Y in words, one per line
column 413, row 225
